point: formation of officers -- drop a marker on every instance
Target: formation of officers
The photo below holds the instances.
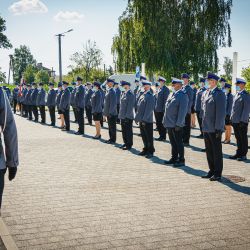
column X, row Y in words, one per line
column 213, row 104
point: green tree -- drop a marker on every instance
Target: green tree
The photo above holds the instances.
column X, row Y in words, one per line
column 2, row 76
column 4, row 42
column 88, row 59
column 42, row 76
column 29, row 74
column 21, row 59
column 172, row 36
column 228, row 68
column 246, row 74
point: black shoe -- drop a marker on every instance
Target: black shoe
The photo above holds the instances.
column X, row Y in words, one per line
column 215, row 178
column 149, row 156
column 110, row 142
column 186, row 144
column 243, row 158
column 160, row 139
column 65, row 129
column 203, row 150
column 126, row 148
column 78, row 133
column 170, row 162
column 179, row 164
column 200, row 136
column 143, row 153
column 234, row 157
column 122, row 146
column 97, row 137
column 208, row 176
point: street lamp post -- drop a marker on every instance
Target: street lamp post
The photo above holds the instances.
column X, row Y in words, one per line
column 60, row 52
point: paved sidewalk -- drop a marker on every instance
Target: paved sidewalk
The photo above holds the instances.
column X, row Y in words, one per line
column 72, row 192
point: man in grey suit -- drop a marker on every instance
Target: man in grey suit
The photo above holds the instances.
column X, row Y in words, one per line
column 51, row 104
column 80, row 105
column 240, row 119
column 40, row 102
column 110, row 111
column 213, row 122
column 161, row 98
column 126, row 115
column 190, row 93
column 144, row 115
column 174, row 121
column 9, row 155
column 65, row 105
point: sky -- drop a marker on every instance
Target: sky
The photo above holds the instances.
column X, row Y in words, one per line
column 35, row 23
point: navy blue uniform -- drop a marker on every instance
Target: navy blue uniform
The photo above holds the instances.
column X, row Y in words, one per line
column 64, row 106
column 33, row 101
column 51, row 103
column 197, row 106
column 40, row 102
column 88, row 106
column 80, row 105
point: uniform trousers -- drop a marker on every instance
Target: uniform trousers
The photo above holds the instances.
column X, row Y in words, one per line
column 240, row 133
column 199, row 120
column 89, row 113
column 29, row 108
column 175, row 138
column 52, row 113
column 187, row 128
column 161, row 129
column 80, row 119
column 146, row 130
column 127, row 132
column 214, row 153
column 35, row 112
column 42, row 113
column 14, row 105
column 75, row 113
column 118, row 110
column 112, row 127
column 66, row 119
column 2, row 173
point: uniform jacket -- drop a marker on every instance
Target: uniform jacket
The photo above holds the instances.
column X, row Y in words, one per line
column 229, row 103
column 51, row 100
column 241, row 107
column 97, row 102
column 58, row 98
column 118, row 95
column 88, row 98
column 176, row 110
column 110, row 105
column 145, row 108
column 137, row 97
column 22, row 97
column 136, row 90
column 34, row 96
column 15, row 93
column 28, row 97
column 40, row 101
column 9, row 134
column 80, row 97
column 190, row 93
column 127, row 105
column 214, row 111
column 197, row 105
column 72, row 97
column 65, row 100
column 161, row 98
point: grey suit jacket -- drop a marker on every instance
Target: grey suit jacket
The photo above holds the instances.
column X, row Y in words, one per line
column 127, row 105
column 51, row 100
column 161, row 98
column 40, row 100
column 190, row 93
column 80, row 97
column 110, row 104
column 97, row 102
column 65, row 100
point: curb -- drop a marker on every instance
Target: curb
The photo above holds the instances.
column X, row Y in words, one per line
column 6, row 237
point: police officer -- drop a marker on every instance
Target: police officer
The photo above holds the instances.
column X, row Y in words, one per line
column 110, row 111
column 144, row 116
column 65, row 105
column 15, row 96
column 118, row 99
column 88, row 107
column 222, row 82
column 51, row 103
column 197, row 105
column 240, row 118
column 213, row 121
column 40, row 102
column 80, row 105
column 8, row 155
column 229, row 104
column 161, row 98
column 58, row 100
column 188, row 90
column 174, row 121
column 7, row 91
column 22, row 100
column 96, row 108
column 33, row 101
column 126, row 115
column 139, row 92
column 72, row 100
column 193, row 121
column 137, row 86
column 28, row 101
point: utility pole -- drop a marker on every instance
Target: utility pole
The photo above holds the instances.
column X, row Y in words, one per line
column 10, row 66
column 60, row 52
column 235, row 59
